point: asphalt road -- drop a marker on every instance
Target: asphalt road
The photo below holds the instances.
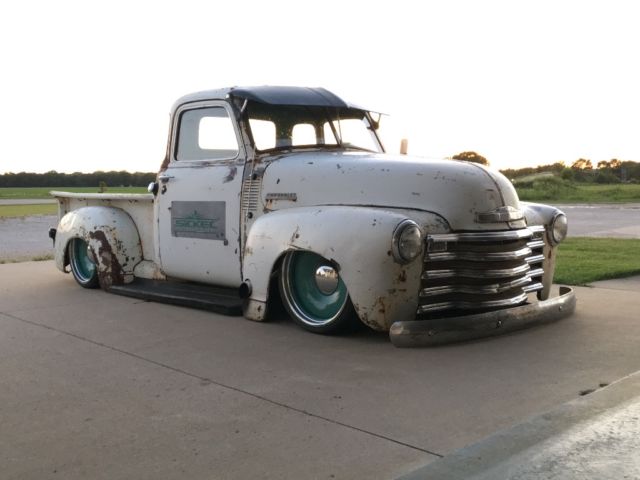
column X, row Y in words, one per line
column 94, row 385
column 615, row 221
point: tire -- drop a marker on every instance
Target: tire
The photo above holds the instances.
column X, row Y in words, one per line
column 317, row 305
column 83, row 268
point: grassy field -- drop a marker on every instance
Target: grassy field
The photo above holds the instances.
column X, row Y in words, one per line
column 7, row 211
column 557, row 190
column 43, row 192
column 582, row 260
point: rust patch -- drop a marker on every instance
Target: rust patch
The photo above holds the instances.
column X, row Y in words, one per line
column 165, row 164
column 233, row 171
column 402, row 277
column 295, row 235
column 109, row 269
column 382, row 308
column 268, row 205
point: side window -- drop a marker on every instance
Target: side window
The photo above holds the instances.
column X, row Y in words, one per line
column 206, row 134
column 303, row 134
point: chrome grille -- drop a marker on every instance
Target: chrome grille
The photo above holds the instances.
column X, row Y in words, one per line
column 467, row 272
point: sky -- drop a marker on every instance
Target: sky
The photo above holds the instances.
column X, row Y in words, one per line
column 88, row 85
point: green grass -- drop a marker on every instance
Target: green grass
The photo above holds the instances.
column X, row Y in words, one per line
column 7, row 211
column 558, row 190
column 582, row 260
column 43, row 192
column 532, row 177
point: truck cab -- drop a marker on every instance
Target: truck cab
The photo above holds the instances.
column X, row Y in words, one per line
column 289, row 189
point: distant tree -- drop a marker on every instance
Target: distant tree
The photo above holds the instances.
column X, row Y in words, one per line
column 471, row 157
column 602, row 164
column 567, row 174
column 607, row 177
column 75, row 179
column 582, row 164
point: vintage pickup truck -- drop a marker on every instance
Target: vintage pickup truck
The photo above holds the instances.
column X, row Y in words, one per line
column 290, row 189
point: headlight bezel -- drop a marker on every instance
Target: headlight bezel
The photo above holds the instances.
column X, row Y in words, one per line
column 557, row 235
column 403, row 229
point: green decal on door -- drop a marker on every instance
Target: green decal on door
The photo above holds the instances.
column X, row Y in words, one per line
column 198, row 220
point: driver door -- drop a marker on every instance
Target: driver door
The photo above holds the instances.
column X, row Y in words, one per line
column 198, row 205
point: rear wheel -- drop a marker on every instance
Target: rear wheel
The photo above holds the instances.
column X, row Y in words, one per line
column 314, row 294
column 83, row 267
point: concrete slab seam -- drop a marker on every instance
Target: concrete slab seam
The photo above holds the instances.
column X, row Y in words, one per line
column 222, row 385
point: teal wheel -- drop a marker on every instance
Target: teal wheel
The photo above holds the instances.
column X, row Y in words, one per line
column 82, row 265
column 314, row 294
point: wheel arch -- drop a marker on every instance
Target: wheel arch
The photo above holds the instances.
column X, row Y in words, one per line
column 356, row 239
column 112, row 235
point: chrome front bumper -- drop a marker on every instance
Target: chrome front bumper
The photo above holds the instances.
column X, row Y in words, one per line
column 428, row 333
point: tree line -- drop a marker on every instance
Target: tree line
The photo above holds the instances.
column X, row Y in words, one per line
column 77, row 179
column 582, row 170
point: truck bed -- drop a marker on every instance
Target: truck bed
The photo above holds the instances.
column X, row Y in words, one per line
column 138, row 205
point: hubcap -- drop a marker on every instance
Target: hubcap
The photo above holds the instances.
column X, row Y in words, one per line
column 327, row 279
column 313, row 290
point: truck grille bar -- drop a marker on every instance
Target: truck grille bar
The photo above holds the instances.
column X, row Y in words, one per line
column 478, row 271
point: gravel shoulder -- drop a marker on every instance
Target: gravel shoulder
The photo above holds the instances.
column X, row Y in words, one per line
column 25, row 238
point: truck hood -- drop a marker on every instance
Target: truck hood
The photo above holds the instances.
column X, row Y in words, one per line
column 457, row 191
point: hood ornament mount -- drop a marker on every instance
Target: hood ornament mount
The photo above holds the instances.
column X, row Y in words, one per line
column 500, row 214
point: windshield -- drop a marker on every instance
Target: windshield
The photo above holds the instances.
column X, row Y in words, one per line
column 283, row 127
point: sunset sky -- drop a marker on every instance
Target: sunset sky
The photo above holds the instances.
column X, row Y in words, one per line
column 88, row 85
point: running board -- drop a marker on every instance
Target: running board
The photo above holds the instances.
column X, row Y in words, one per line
column 194, row 295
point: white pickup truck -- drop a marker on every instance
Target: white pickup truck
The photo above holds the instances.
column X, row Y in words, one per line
column 287, row 188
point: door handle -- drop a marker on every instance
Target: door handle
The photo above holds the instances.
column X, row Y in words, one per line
column 165, row 178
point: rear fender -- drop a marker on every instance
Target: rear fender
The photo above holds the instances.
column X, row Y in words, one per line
column 357, row 240
column 112, row 236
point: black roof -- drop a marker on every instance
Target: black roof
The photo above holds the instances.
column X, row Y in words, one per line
column 315, row 97
column 305, row 96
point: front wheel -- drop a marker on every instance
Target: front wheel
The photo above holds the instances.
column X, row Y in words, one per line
column 314, row 294
column 82, row 265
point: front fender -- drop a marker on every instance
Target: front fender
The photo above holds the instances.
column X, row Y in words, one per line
column 112, row 236
column 357, row 240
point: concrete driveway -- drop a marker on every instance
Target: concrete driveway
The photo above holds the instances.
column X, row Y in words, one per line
column 94, row 385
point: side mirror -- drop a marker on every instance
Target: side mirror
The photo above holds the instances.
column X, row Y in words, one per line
column 153, row 188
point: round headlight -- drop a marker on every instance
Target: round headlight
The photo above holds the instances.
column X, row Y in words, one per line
column 559, row 228
column 407, row 242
